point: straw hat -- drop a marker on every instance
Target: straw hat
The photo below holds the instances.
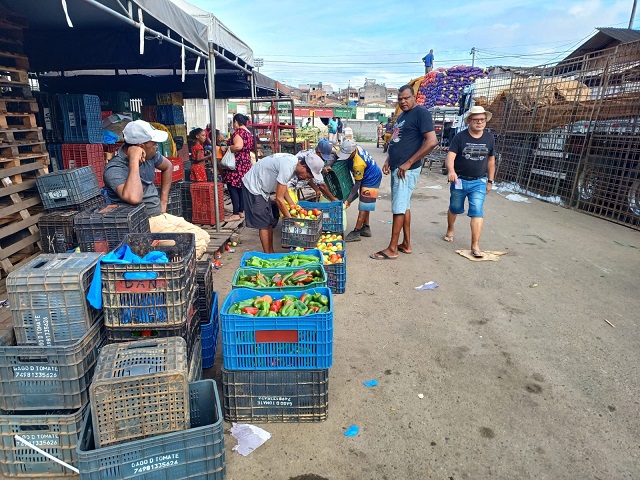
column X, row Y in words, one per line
column 477, row 110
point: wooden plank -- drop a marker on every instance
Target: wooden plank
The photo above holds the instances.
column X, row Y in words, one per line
column 32, row 239
column 18, row 121
column 15, row 264
column 25, row 134
column 22, row 205
column 18, row 105
column 29, row 167
column 9, row 152
column 15, row 227
column 19, row 60
column 17, row 188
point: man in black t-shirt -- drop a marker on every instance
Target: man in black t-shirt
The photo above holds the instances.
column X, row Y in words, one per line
column 413, row 137
column 471, row 164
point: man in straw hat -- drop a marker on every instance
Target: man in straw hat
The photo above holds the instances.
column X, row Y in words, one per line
column 471, row 166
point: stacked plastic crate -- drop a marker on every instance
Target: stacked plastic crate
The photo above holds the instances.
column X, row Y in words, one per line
column 277, row 340
column 47, row 364
column 65, row 194
column 156, row 300
column 208, row 309
column 203, row 202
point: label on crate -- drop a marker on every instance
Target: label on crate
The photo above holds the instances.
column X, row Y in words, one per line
column 35, row 371
column 276, row 402
column 72, row 119
column 43, row 329
column 141, row 286
column 299, row 230
column 48, row 124
column 151, row 464
column 42, row 439
column 57, row 194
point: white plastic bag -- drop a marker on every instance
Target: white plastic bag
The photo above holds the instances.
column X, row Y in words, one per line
column 228, row 160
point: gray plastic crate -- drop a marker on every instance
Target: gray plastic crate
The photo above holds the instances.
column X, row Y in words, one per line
column 196, row 453
column 67, row 188
column 195, row 364
column 55, row 377
column 140, row 389
column 47, row 297
column 56, row 433
column 275, row 395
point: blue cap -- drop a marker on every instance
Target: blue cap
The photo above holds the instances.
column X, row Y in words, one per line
column 325, row 149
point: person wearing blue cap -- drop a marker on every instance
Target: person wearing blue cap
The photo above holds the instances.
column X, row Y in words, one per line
column 324, row 150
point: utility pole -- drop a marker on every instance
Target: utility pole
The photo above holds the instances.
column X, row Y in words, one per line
column 633, row 13
column 473, row 55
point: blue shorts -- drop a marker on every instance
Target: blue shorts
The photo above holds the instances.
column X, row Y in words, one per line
column 401, row 190
column 475, row 191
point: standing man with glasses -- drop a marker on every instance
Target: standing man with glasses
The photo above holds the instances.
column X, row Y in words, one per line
column 471, row 167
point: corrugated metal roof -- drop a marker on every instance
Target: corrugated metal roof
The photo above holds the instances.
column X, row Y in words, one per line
column 605, row 38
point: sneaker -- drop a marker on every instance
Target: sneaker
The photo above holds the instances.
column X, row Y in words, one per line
column 365, row 231
column 353, row 236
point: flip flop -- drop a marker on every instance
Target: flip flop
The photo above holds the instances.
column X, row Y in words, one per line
column 477, row 253
column 381, row 256
column 403, row 250
column 448, row 238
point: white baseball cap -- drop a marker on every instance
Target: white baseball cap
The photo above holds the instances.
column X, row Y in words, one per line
column 346, row 149
column 315, row 164
column 139, row 131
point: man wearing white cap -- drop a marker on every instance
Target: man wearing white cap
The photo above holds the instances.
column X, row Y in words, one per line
column 271, row 175
column 129, row 177
column 471, row 166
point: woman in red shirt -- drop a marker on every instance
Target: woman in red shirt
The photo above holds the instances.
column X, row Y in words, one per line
column 198, row 155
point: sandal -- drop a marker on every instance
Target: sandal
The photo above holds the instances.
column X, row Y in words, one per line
column 477, row 254
column 381, row 256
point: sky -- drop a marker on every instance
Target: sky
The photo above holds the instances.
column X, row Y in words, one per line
column 342, row 43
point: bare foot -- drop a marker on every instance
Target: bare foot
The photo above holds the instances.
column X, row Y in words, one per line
column 402, row 248
column 232, row 218
column 241, row 214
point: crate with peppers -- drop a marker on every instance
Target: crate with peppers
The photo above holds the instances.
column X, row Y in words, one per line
column 279, row 260
column 287, row 306
column 278, row 279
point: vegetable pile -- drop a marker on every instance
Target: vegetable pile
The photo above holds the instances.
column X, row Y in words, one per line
column 443, row 87
column 300, row 278
column 287, row 306
column 292, row 260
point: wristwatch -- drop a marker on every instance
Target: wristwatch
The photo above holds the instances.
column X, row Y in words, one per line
column 490, row 181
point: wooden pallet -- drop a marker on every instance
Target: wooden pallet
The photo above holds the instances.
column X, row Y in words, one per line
column 18, row 105
column 14, row 60
column 14, row 90
column 13, row 76
column 18, row 121
column 13, row 136
column 9, row 151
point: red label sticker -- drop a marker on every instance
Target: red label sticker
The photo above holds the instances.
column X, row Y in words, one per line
column 280, row 336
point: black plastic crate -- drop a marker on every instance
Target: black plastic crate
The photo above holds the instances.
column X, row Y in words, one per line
column 54, row 150
column 57, row 433
column 67, row 188
column 275, row 395
column 49, row 117
column 204, row 277
column 117, row 102
column 301, row 232
column 95, row 202
column 56, row 377
column 187, row 208
column 195, row 453
column 47, row 297
column 103, row 229
column 174, row 206
column 56, row 231
column 160, row 302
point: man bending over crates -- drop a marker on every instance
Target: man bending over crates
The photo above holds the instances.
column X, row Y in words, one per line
column 129, row 179
column 270, row 175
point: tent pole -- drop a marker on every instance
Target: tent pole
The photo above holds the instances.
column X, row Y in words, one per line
column 253, row 86
column 211, row 88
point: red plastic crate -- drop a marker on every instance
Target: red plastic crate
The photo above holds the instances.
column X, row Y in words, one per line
column 75, row 155
column 178, row 171
column 202, row 195
column 108, row 148
column 106, row 113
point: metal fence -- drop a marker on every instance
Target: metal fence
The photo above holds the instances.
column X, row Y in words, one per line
column 570, row 133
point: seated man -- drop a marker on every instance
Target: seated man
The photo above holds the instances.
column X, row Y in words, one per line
column 269, row 175
column 129, row 179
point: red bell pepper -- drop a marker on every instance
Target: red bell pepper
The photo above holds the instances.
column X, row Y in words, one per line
column 250, row 310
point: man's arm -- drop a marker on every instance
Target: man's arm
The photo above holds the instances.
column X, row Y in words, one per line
column 131, row 190
column 452, row 176
column 429, row 143
column 280, row 201
column 166, row 167
column 327, row 193
column 491, row 171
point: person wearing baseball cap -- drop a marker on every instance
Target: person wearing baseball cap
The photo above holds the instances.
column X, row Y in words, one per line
column 324, row 150
column 272, row 174
column 129, row 177
column 367, row 177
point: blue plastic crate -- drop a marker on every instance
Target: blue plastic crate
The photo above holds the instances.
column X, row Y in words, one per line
column 271, row 256
column 82, row 118
column 332, row 214
column 170, row 114
column 209, row 334
column 260, row 343
column 337, row 272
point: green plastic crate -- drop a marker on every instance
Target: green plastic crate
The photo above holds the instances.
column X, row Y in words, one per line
column 339, row 180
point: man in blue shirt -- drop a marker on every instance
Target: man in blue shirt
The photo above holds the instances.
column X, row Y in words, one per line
column 428, row 61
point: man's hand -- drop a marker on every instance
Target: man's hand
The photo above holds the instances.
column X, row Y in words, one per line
column 452, row 177
column 326, row 169
column 385, row 168
column 136, row 153
column 402, row 170
column 489, row 186
column 346, row 204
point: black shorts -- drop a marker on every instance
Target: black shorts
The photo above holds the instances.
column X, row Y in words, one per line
column 258, row 212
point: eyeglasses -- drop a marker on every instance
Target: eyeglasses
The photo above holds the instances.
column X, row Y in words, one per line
column 479, row 120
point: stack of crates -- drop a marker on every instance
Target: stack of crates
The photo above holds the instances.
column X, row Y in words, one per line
column 103, row 229
column 47, row 363
column 203, row 202
column 276, row 368
column 174, row 205
column 177, row 173
column 208, row 311
column 156, row 300
column 65, row 194
column 75, row 155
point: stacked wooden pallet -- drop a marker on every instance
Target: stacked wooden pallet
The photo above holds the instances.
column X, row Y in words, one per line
column 23, row 154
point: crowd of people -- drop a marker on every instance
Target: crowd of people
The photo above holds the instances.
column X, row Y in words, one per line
column 262, row 191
